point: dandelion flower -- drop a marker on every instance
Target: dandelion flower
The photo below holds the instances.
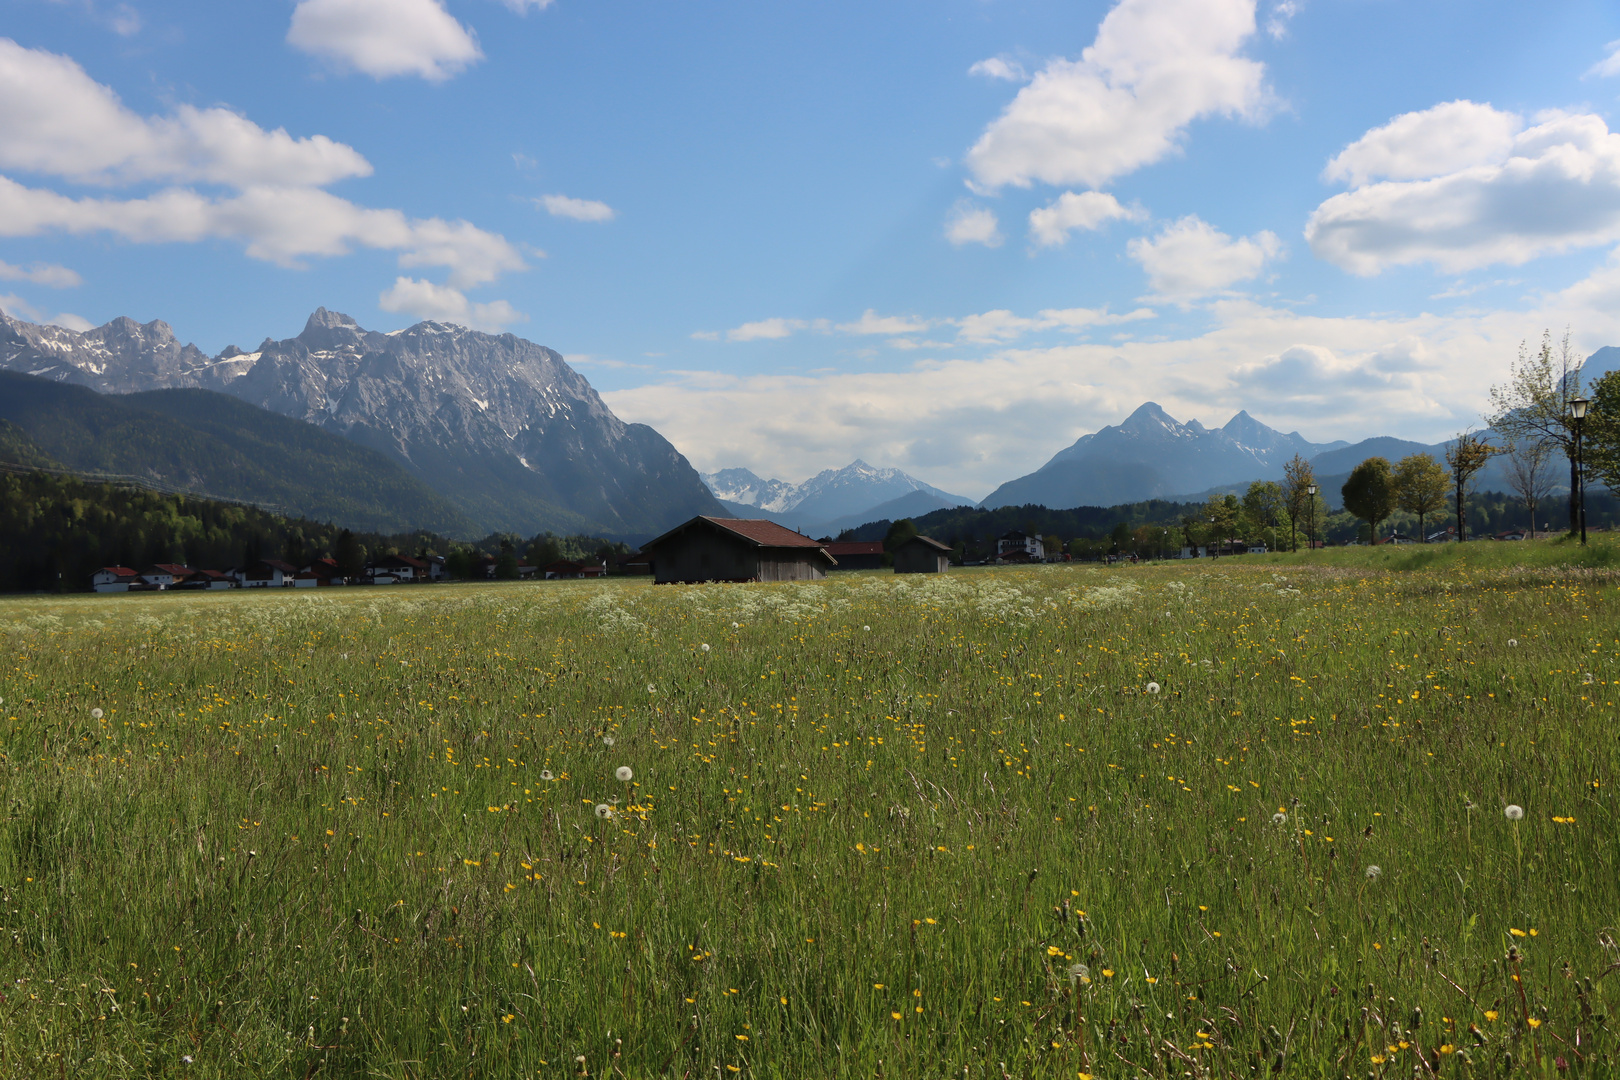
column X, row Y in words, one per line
column 607, row 740
column 603, row 810
column 623, row 774
column 1279, row 818
column 1514, row 812
column 1373, row 872
column 1153, row 688
column 1513, row 643
column 545, row 774
column 95, row 714
column 704, row 646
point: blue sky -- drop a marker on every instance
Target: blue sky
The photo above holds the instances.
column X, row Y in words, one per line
column 948, row 236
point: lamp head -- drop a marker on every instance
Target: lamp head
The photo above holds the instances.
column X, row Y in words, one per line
column 1577, row 407
column 1310, row 489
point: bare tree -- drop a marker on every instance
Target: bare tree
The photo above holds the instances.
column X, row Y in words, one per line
column 1529, row 475
column 1297, row 476
column 1533, row 406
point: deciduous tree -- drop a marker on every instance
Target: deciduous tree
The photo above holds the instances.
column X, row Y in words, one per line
column 1420, row 487
column 1533, row 405
column 1370, row 492
column 1529, row 476
column 1465, row 457
column 1297, row 477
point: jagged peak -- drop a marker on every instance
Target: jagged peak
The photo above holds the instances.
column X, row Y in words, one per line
column 322, row 319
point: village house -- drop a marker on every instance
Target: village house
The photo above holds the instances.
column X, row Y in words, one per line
column 856, row 554
column 114, row 579
column 266, row 574
column 206, row 579
column 922, row 555
column 1018, row 546
column 736, row 549
column 165, row 575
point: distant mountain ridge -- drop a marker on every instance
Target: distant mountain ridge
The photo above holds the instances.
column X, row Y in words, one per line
column 832, row 499
column 500, row 426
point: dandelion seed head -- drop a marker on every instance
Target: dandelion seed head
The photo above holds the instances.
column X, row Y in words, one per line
column 1373, row 872
column 545, row 774
column 623, row 774
column 704, row 646
column 651, row 689
column 1080, row 971
column 866, row 628
column 1153, row 688
column 1514, row 811
column 607, row 740
column 603, row 810
column 1279, row 818
column 1513, row 643
column 95, row 714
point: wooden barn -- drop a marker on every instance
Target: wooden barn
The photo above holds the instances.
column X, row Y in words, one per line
column 857, row 554
column 735, row 549
column 922, row 555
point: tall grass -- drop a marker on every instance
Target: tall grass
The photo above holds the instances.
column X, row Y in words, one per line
column 877, row 826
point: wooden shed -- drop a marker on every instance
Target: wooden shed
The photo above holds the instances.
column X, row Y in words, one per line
column 735, row 549
column 857, row 554
column 922, row 555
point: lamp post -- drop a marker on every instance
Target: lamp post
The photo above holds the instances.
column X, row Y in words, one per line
column 1577, row 412
column 1310, row 517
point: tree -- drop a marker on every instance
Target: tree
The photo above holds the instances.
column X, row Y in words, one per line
column 349, row 555
column 1370, row 492
column 1221, row 512
column 506, row 563
column 1420, row 487
column 1529, row 476
column 1297, row 477
column 1466, row 456
column 1263, row 505
column 1121, row 538
column 899, row 532
column 1601, row 440
column 1533, row 406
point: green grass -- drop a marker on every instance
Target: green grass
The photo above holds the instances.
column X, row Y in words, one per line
column 1602, row 550
column 872, row 827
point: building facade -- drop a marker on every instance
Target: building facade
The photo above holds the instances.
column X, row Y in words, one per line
column 733, row 549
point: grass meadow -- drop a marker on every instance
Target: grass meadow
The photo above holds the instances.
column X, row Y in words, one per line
column 1246, row 817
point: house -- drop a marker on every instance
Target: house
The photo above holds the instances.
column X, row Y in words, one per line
column 922, row 555
column 564, row 569
column 266, row 574
column 114, row 579
column 397, row 568
column 1020, row 547
column 634, row 563
column 206, row 579
column 165, row 575
column 856, row 554
column 735, row 549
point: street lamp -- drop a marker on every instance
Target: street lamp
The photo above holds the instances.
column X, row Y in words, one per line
column 1310, row 517
column 1577, row 412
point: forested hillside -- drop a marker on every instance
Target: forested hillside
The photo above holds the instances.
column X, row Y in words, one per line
column 210, row 444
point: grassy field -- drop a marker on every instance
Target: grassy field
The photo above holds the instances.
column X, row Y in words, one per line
column 1234, row 818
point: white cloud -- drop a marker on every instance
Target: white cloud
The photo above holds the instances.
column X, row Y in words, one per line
column 18, row 308
column 1419, row 145
column 522, row 7
column 578, row 209
column 1609, row 65
column 1555, row 188
column 766, row 330
column 1155, row 67
column 1000, row 67
column 968, row 223
column 280, row 225
column 56, row 120
column 48, row 274
column 384, row 38
column 1191, row 258
column 1001, row 326
column 1282, row 12
column 871, row 322
column 441, row 303
column 1050, row 225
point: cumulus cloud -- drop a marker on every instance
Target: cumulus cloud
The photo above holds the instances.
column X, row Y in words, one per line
column 1610, row 65
column 1050, row 225
column 1154, row 68
column 384, row 38
column 48, row 274
column 1190, row 258
column 1000, row 67
column 577, row 209
column 969, row 223
column 766, row 330
column 18, row 308
column 1553, row 187
column 871, row 322
column 442, row 303
column 1419, row 145
column 280, row 225
column 56, row 120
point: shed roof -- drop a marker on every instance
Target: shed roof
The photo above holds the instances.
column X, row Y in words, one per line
column 930, row 542
column 756, row 531
column 854, row 547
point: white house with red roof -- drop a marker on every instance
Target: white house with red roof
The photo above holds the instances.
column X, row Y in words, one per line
column 114, row 579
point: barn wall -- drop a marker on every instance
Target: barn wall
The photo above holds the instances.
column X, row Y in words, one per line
column 920, row 559
column 702, row 555
column 791, row 564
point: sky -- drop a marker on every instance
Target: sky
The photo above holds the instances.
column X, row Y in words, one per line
column 948, row 236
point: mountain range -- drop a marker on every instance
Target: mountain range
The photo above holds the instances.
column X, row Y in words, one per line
column 833, row 499
column 501, row 428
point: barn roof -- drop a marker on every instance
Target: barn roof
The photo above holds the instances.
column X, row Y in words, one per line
column 755, row 531
column 855, row 547
column 930, row 542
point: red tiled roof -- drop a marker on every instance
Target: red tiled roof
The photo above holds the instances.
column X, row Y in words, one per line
column 119, row 571
column 930, row 542
column 854, row 547
column 764, row 533
column 173, row 569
